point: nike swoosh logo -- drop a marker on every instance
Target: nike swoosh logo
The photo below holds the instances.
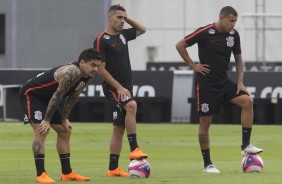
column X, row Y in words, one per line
column 114, row 44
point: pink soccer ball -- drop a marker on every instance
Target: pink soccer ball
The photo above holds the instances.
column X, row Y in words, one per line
column 139, row 168
column 252, row 163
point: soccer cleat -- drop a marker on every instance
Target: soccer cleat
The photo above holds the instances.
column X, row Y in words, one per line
column 137, row 154
column 117, row 173
column 251, row 149
column 73, row 176
column 44, row 178
column 211, row 169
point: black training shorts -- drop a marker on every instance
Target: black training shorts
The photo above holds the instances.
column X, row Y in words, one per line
column 118, row 106
column 210, row 94
column 35, row 108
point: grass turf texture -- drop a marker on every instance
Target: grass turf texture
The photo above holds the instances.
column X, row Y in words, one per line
column 173, row 150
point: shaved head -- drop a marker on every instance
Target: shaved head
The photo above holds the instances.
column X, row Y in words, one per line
column 115, row 8
column 227, row 10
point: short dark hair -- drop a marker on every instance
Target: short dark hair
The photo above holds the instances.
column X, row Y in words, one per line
column 116, row 7
column 225, row 11
column 89, row 54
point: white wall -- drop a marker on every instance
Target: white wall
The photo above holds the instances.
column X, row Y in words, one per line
column 47, row 33
column 168, row 21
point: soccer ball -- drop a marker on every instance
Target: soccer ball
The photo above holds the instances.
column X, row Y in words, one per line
column 139, row 168
column 252, row 163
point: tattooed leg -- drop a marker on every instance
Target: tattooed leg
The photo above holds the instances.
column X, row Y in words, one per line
column 204, row 141
column 36, row 148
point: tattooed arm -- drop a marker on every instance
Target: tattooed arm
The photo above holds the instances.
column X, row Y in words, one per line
column 68, row 106
column 240, row 73
column 66, row 76
column 71, row 101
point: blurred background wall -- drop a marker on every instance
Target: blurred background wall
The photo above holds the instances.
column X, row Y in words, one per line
column 47, row 33
column 44, row 33
column 169, row 21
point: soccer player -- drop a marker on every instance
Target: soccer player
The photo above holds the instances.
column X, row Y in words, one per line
column 117, row 85
column 41, row 99
column 216, row 42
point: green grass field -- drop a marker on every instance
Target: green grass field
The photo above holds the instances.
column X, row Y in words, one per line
column 173, row 150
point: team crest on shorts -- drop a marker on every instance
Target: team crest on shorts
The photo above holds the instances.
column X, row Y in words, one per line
column 205, row 107
column 125, row 99
column 230, row 41
column 115, row 115
column 38, row 115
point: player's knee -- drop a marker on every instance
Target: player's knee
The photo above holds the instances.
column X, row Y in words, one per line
column 248, row 102
column 131, row 106
column 39, row 137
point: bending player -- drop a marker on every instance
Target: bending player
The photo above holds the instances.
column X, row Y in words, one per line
column 41, row 99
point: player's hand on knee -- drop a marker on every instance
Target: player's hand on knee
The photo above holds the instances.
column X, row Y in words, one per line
column 44, row 127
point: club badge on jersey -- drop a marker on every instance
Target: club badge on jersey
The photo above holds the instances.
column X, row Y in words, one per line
column 122, row 39
column 230, row 41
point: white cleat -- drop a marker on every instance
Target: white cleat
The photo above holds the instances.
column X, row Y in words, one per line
column 251, row 149
column 211, row 169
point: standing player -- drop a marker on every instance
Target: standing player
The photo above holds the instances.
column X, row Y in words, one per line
column 117, row 84
column 41, row 98
column 216, row 42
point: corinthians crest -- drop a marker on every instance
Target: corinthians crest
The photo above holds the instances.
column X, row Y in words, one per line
column 205, row 107
column 230, row 41
column 38, row 115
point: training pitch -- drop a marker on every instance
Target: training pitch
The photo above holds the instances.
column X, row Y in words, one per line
column 173, row 151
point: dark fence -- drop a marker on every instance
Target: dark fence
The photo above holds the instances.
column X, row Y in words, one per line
column 152, row 91
column 249, row 66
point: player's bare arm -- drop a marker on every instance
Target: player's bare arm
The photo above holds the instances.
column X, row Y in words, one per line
column 71, row 101
column 122, row 92
column 239, row 67
column 139, row 27
column 200, row 68
column 66, row 76
column 68, row 106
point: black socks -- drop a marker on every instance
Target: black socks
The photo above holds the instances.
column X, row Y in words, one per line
column 206, row 157
column 39, row 163
column 113, row 161
column 246, row 136
column 132, row 141
column 65, row 163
